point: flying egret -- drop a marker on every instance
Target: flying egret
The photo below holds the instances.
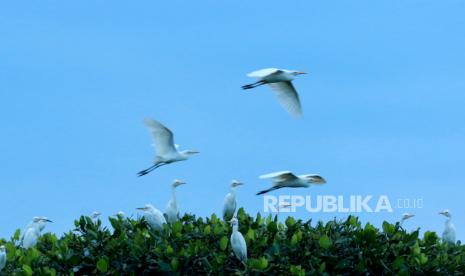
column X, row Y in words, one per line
column 33, row 231
column 449, row 231
column 172, row 212
column 2, row 257
column 153, row 216
column 229, row 207
column 167, row 151
column 280, row 82
column 405, row 216
column 238, row 242
column 287, row 179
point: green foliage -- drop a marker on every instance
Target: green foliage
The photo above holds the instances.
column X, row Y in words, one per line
column 198, row 246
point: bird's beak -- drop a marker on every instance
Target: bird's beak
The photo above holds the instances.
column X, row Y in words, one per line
column 195, row 151
column 141, row 208
column 302, row 73
column 47, row 220
column 182, row 182
column 239, row 183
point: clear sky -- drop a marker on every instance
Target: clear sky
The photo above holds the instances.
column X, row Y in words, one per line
column 383, row 104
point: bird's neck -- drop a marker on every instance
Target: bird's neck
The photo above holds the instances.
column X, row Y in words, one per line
column 173, row 194
column 235, row 228
column 233, row 190
column 448, row 222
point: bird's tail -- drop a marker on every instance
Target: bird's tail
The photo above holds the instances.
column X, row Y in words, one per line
column 268, row 190
column 252, row 85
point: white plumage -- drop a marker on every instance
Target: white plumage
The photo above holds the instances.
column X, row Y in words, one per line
column 280, row 81
column 172, row 211
column 449, row 230
column 166, row 151
column 153, row 216
column 2, row 257
column 286, row 179
column 238, row 242
column 405, row 216
column 229, row 206
column 33, row 230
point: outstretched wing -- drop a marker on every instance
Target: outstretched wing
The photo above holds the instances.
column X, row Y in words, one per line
column 280, row 176
column 315, row 178
column 287, row 97
column 162, row 137
column 263, row 73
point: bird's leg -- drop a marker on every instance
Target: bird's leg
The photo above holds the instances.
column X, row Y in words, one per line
column 151, row 168
column 252, row 85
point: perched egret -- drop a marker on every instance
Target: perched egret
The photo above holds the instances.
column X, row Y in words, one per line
column 2, row 257
column 172, row 211
column 153, row 216
column 33, row 231
column 94, row 216
column 280, row 81
column 38, row 222
column 449, row 231
column 229, row 207
column 238, row 242
column 405, row 216
column 167, row 151
column 287, row 179
column 120, row 214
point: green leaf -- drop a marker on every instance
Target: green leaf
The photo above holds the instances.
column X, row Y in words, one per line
column 102, row 264
column 325, row 242
column 174, row 264
column 207, row 230
column 224, row 243
column 27, row 270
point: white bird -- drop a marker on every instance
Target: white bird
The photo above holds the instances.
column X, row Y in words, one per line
column 153, row 216
column 405, row 216
column 33, row 231
column 287, row 179
column 172, row 211
column 167, row 151
column 449, row 231
column 2, row 257
column 229, row 207
column 238, row 242
column 94, row 216
column 120, row 214
column 280, row 82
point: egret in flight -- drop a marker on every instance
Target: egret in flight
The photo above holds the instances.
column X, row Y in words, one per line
column 172, row 211
column 449, row 231
column 229, row 207
column 153, row 216
column 405, row 216
column 287, row 179
column 167, row 151
column 33, row 231
column 238, row 242
column 2, row 257
column 280, row 81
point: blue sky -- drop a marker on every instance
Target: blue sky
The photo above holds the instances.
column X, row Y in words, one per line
column 383, row 105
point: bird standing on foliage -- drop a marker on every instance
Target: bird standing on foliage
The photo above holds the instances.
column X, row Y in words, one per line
column 167, row 151
column 33, row 231
column 153, row 216
column 449, row 231
column 405, row 216
column 172, row 211
column 229, row 207
column 2, row 257
column 280, row 82
column 287, row 179
column 94, row 216
column 238, row 242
